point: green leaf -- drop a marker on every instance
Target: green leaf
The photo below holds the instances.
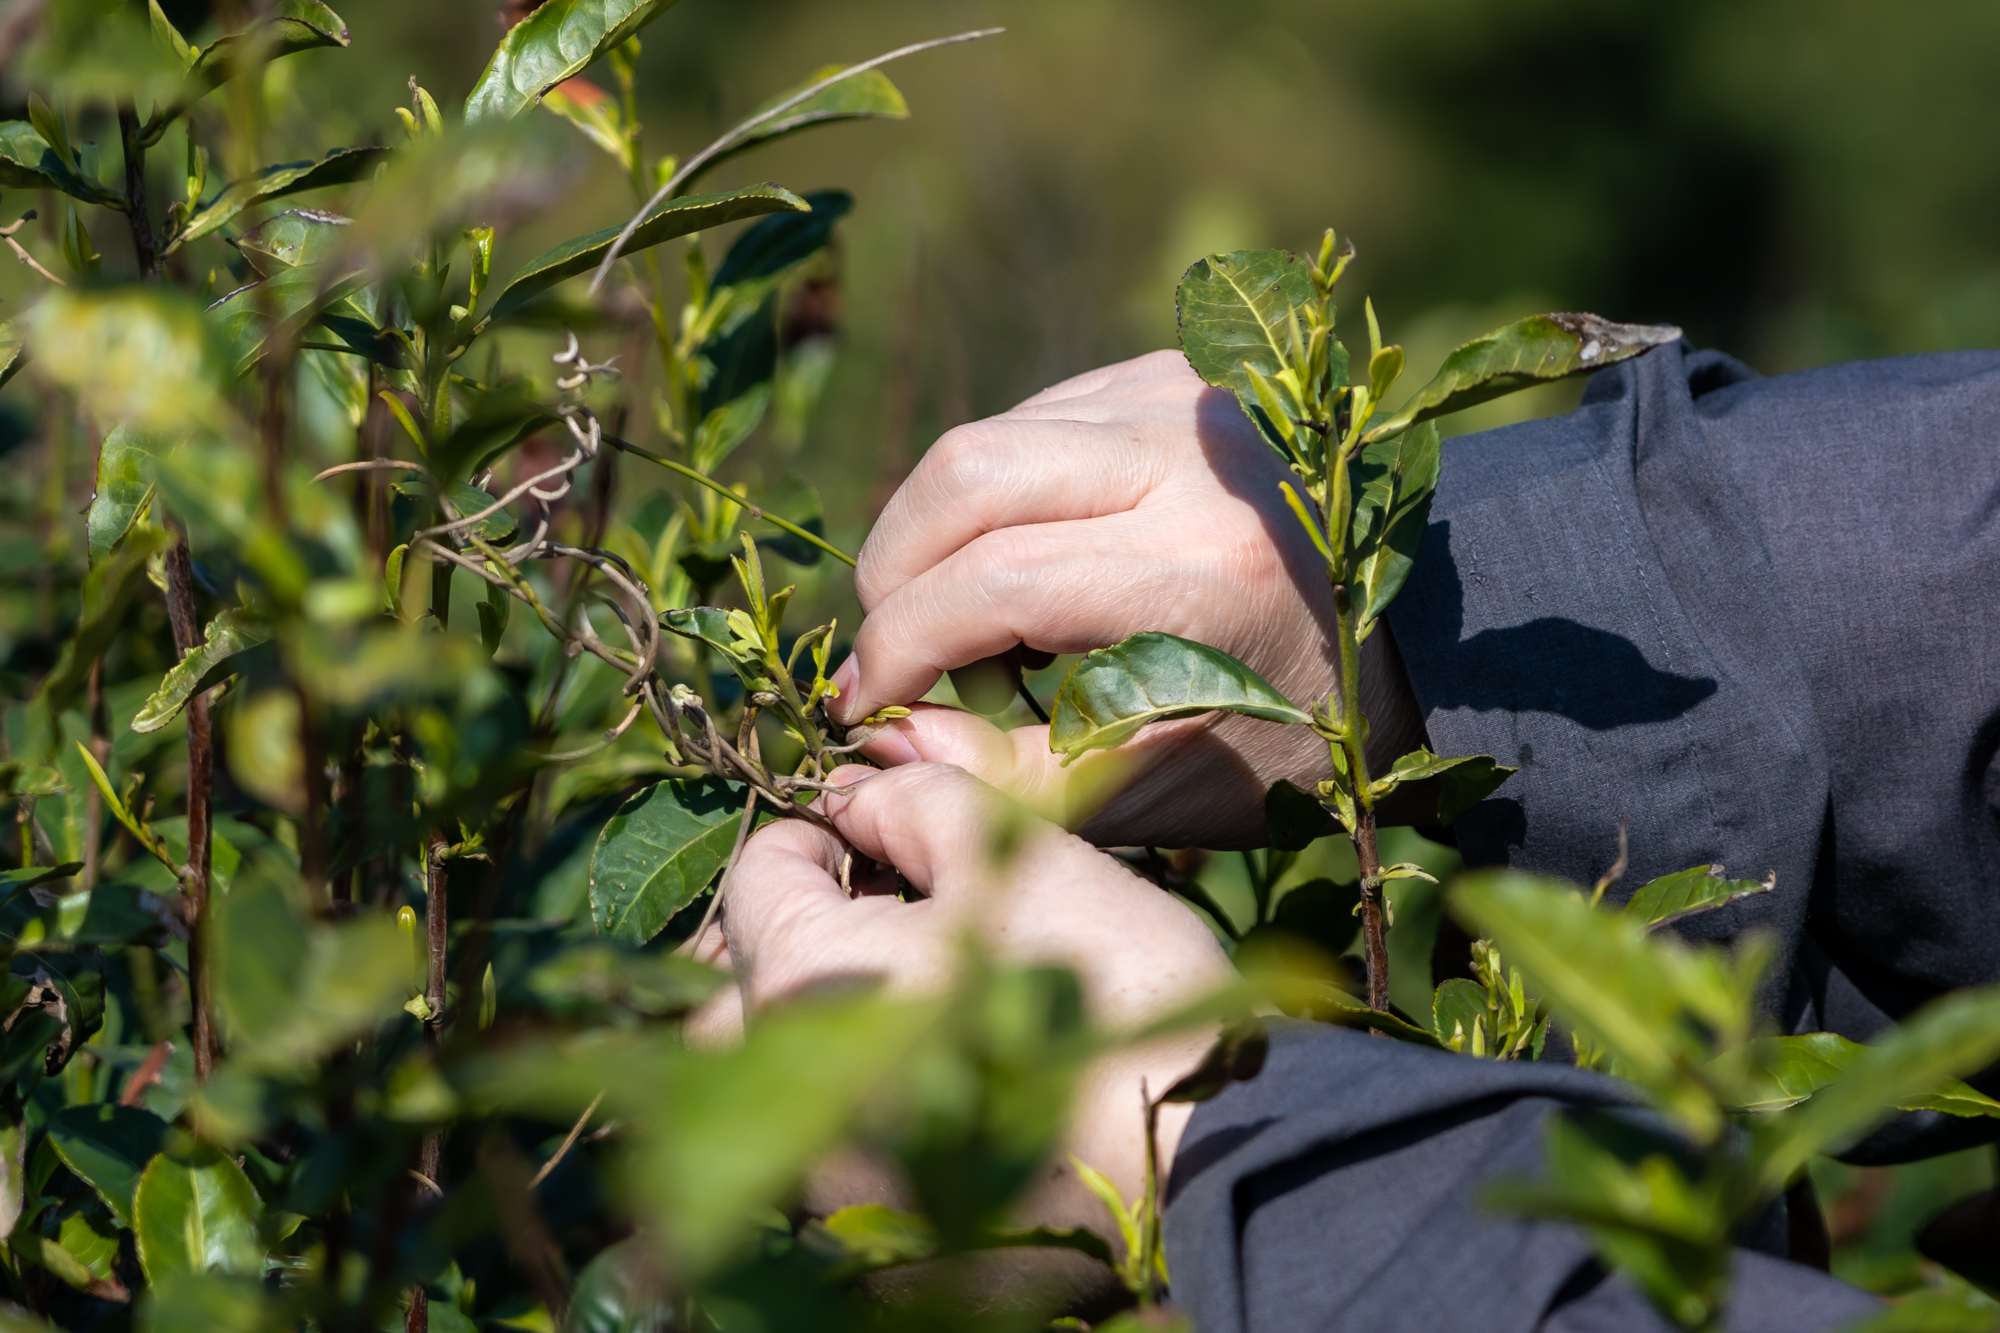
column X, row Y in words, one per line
column 13, row 349
column 1954, row 1035
column 1455, row 784
column 1396, row 479
column 736, row 1131
column 556, row 42
column 108, row 1148
column 197, row 1214
column 190, row 1302
column 1957, row 1311
column 125, row 477
column 290, row 990
column 286, row 28
column 659, row 852
column 230, row 633
column 84, row 1253
column 869, row 95
column 1455, row 1007
column 1598, row 970
column 771, row 245
column 168, row 37
column 622, row 1290
column 108, row 590
column 139, row 356
column 1294, row 819
column 249, row 317
column 27, row 162
column 1535, row 351
column 1236, row 1057
column 675, row 217
column 1327, row 1003
column 653, row 983
column 292, row 238
column 1687, row 892
column 875, row 1236
column 1794, row 1068
column 1234, row 310
column 1151, row 677
column 342, row 166
column 463, row 499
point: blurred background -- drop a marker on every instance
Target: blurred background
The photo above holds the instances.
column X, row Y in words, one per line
column 1796, row 183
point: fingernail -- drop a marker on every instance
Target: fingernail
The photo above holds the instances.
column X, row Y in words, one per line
column 849, row 774
column 847, row 679
column 890, row 746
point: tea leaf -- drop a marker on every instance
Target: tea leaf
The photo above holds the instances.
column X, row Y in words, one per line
column 342, row 166
column 1956, row 1034
column 659, row 852
column 1151, row 677
column 1456, row 1007
column 621, row 1290
column 1535, row 351
column 869, row 95
column 1687, row 892
column 1391, row 515
column 28, row 162
column 875, row 1236
column 556, row 42
column 136, row 356
column 124, row 483
column 197, row 1214
column 292, row 238
column 196, row 1302
column 228, row 634
column 1233, row 312
column 1794, row 1068
column 1456, row 784
column 675, row 217
column 108, row 1148
column 292, row 26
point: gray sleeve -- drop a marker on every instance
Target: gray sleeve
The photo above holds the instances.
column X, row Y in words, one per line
column 1340, row 1190
column 1758, row 621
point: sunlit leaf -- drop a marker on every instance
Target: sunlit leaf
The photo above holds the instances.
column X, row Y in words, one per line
column 294, row 237
column 1794, row 1068
column 108, row 1148
column 556, row 42
column 875, row 1236
column 1687, row 892
column 228, row 634
column 1395, row 481
column 868, row 95
column 125, row 477
column 659, row 852
column 282, row 29
column 342, row 166
column 1456, row 784
column 197, row 1213
column 194, row 1302
column 1535, row 351
column 1150, row 677
column 674, row 217
column 1234, row 310
column 1455, row 1007
column 84, row 1253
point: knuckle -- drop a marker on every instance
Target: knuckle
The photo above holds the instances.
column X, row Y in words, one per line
column 969, row 460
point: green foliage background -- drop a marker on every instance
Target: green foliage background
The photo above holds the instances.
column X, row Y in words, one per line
column 1795, row 183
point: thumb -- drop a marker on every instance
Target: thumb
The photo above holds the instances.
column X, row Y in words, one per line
column 1017, row 762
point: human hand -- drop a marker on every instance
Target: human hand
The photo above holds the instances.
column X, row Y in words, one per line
column 1132, row 498
column 1137, row 952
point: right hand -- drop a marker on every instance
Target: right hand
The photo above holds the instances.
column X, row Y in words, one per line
column 1132, row 498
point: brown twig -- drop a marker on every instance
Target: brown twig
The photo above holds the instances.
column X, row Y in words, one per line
column 567, row 1144
column 146, row 1075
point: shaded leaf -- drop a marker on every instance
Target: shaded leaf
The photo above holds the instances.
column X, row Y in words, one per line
column 659, row 852
column 869, row 95
column 1327, row 1003
column 1293, row 818
column 190, row 1302
column 675, row 217
column 342, row 166
column 1687, row 892
column 1452, row 785
column 1236, row 1057
column 107, row 590
column 773, row 244
column 84, row 1253
column 622, row 1290
column 27, row 162
column 13, row 349
column 108, row 1147
column 1113, row 692
column 197, row 1214
column 653, row 983
column 875, row 1236
column 227, row 635
column 556, row 42
column 1535, row 351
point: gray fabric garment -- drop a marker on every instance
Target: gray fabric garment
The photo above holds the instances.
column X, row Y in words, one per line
column 1754, row 619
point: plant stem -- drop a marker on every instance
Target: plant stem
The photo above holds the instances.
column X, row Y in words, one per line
column 693, row 474
column 201, row 771
column 1353, row 744
column 93, row 799
column 144, row 246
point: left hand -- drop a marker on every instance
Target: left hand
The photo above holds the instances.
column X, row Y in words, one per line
column 1137, row 951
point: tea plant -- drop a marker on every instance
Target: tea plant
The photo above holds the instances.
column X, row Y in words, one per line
column 1260, row 323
